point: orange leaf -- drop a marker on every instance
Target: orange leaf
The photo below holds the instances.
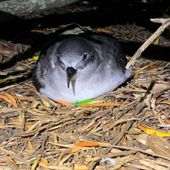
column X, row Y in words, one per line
column 9, row 98
column 167, row 121
column 91, row 144
column 2, row 126
column 75, row 149
column 63, row 102
column 43, row 163
column 5, row 98
column 82, row 144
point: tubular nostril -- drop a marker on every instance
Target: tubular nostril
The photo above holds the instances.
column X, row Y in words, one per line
column 71, row 70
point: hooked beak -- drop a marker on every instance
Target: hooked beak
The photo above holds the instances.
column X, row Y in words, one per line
column 71, row 77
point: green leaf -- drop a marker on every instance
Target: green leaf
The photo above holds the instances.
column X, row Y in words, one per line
column 80, row 103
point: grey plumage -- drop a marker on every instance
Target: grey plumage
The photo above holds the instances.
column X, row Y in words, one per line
column 80, row 67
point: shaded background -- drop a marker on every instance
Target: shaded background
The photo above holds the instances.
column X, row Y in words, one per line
column 130, row 20
column 93, row 13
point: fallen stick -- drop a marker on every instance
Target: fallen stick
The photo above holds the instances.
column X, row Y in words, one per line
column 165, row 23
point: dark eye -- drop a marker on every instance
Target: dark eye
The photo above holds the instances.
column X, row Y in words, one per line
column 85, row 56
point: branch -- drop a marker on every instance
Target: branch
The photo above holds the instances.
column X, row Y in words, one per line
column 165, row 23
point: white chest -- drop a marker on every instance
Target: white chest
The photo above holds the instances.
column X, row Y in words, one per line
column 85, row 88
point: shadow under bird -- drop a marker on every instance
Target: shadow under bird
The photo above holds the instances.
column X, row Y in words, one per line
column 79, row 67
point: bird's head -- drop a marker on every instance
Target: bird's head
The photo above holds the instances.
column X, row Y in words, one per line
column 74, row 55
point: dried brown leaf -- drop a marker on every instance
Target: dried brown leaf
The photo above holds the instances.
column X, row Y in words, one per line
column 158, row 145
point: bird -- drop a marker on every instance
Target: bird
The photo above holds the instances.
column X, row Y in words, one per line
column 79, row 67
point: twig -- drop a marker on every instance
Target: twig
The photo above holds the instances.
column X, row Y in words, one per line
column 165, row 23
column 141, row 151
column 7, row 87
